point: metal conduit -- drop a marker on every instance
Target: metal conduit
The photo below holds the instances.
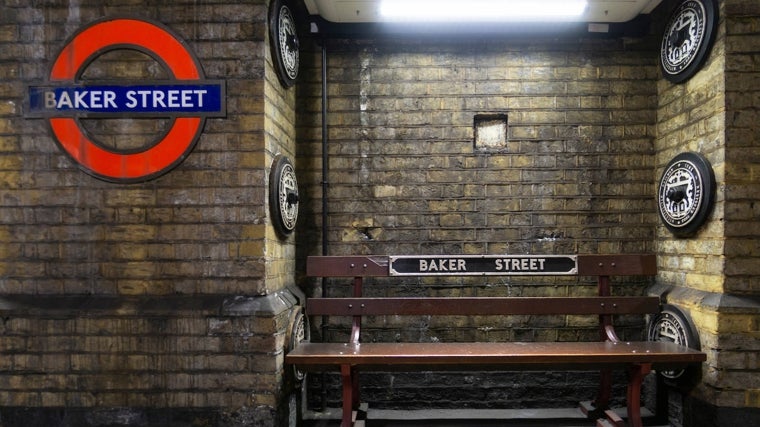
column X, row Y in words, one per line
column 325, row 185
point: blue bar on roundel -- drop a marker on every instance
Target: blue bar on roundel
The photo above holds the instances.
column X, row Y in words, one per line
column 206, row 98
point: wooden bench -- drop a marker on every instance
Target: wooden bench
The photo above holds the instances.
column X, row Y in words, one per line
column 609, row 353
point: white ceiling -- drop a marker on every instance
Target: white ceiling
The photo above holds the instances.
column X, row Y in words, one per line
column 362, row 11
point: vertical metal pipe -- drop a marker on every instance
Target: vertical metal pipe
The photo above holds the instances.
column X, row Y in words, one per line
column 325, row 170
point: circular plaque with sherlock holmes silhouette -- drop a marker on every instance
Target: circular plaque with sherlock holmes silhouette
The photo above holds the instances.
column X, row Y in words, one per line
column 686, row 193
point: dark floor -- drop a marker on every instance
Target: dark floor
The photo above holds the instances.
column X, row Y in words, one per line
column 460, row 418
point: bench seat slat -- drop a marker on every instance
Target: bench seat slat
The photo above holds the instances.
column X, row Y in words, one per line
column 538, row 355
column 482, row 306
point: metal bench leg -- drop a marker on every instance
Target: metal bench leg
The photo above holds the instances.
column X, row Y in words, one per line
column 635, row 377
column 595, row 408
column 355, row 389
column 604, row 392
column 347, row 381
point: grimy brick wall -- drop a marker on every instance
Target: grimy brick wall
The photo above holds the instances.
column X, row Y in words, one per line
column 165, row 302
column 742, row 118
column 168, row 302
column 573, row 175
column 591, row 125
column 714, row 274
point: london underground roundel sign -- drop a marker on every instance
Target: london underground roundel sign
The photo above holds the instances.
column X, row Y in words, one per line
column 186, row 98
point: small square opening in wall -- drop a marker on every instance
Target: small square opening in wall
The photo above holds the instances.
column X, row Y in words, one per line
column 490, row 131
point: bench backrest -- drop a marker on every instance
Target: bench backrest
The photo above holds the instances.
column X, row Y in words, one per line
column 380, row 266
column 600, row 266
column 481, row 306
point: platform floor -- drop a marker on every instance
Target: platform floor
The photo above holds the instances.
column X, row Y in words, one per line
column 571, row 417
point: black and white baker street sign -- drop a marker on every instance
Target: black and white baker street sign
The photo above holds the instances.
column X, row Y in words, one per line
column 482, row 265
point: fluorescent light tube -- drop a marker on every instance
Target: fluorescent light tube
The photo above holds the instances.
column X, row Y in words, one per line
column 481, row 10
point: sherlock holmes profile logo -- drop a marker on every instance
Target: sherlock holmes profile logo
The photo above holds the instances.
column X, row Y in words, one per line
column 186, row 98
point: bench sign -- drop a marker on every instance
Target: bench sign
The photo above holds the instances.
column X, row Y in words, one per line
column 482, row 265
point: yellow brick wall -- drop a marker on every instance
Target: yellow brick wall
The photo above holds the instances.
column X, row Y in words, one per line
column 713, row 274
column 280, row 138
column 575, row 175
column 165, row 298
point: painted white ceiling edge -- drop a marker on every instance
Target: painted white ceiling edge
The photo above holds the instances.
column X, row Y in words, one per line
column 363, row 11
